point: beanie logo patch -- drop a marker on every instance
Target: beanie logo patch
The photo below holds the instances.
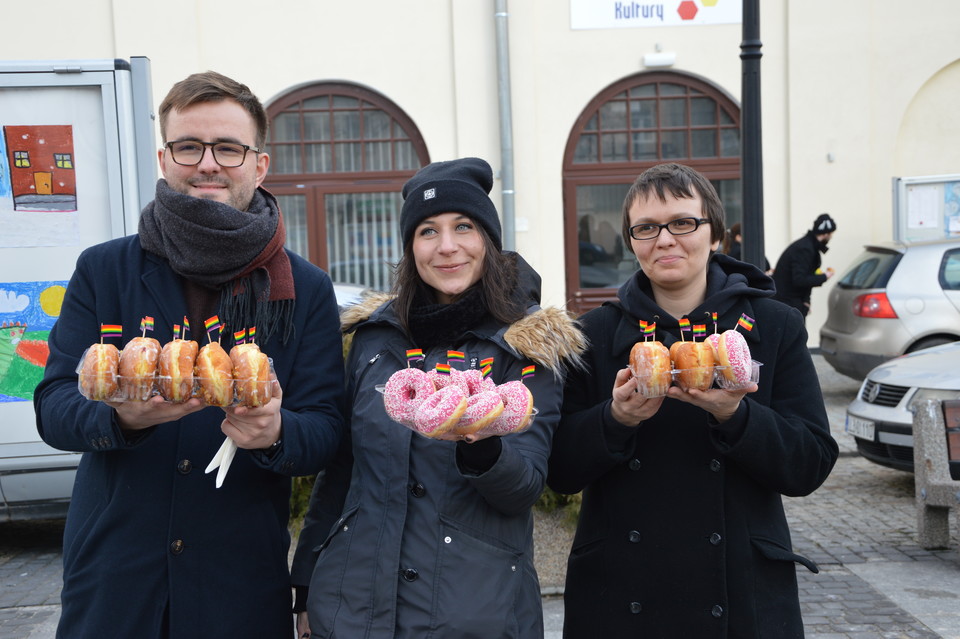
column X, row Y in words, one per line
column 429, row 194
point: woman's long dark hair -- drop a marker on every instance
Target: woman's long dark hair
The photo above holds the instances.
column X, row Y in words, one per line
column 497, row 285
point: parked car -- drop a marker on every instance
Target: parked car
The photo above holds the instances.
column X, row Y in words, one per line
column 880, row 418
column 895, row 298
column 36, row 481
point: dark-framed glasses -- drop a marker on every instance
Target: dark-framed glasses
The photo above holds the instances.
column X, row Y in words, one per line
column 679, row 226
column 226, row 154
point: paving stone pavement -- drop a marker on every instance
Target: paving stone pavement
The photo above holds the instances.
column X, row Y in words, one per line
column 875, row 581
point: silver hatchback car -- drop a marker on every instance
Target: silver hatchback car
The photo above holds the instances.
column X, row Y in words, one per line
column 895, row 298
column 880, row 418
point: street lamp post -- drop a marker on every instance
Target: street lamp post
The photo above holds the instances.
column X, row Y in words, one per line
column 750, row 137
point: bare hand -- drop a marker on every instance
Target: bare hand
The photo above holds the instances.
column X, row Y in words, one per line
column 629, row 407
column 136, row 415
column 254, row 428
column 303, row 625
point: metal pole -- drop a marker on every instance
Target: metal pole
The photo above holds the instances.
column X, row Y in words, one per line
column 751, row 138
column 506, row 127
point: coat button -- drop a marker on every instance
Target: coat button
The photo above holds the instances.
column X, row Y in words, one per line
column 635, row 607
column 634, row 464
column 715, row 539
column 185, row 466
column 177, row 547
column 418, row 490
column 409, row 574
column 715, row 465
column 634, row 537
column 717, row 611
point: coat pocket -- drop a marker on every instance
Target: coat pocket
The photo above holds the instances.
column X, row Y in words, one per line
column 775, row 551
column 327, row 582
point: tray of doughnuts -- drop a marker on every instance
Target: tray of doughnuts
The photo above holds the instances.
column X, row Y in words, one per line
column 721, row 360
column 177, row 371
column 451, row 404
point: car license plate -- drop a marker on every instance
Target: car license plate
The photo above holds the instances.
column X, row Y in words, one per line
column 862, row 428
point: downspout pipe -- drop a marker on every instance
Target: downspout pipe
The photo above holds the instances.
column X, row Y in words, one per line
column 506, row 127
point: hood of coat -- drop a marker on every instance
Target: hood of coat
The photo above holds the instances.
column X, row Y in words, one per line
column 548, row 337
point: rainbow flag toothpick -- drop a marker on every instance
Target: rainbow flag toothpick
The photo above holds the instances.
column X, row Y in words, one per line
column 745, row 322
column 528, row 371
column 443, row 369
column 239, row 337
column 110, row 330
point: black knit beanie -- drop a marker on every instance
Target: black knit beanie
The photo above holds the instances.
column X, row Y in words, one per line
column 824, row 224
column 455, row 186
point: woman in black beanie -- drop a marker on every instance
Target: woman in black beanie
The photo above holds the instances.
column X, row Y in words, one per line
column 409, row 536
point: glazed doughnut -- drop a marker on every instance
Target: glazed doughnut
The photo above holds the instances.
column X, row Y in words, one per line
column 483, row 409
column 442, row 380
column 404, row 392
column 650, row 363
column 476, row 382
column 214, row 371
column 251, row 374
column 440, row 412
column 98, row 372
column 517, row 408
column 734, row 356
column 138, row 368
column 694, row 362
column 177, row 359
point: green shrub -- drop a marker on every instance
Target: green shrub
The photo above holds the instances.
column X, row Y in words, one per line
column 551, row 501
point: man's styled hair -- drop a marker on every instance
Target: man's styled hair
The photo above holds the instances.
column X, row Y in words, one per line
column 211, row 86
column 680, row 181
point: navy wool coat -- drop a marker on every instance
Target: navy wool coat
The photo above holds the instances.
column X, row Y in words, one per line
column 147, row 534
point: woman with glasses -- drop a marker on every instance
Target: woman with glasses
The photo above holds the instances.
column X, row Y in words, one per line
column 682, row 531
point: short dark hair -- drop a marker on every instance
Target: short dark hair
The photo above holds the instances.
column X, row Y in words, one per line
column 499, row 280
column 680, row 181
column 211, row 86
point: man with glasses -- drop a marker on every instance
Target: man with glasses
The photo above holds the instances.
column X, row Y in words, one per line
column 152, row 548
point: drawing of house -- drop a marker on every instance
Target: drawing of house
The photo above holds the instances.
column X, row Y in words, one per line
column 40, row 161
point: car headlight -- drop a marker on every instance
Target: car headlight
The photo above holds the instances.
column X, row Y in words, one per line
column 934, row 394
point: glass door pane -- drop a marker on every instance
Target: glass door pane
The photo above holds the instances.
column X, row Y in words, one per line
column 294, row 208
column 363, row 238
column 604, row 261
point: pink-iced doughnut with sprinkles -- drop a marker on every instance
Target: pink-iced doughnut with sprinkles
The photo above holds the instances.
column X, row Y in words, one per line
column 404, row 392
column 483, row 409
column 734, row 356
column 453, row 378
column 440, row 412
column 476, row 382
column 517, row 408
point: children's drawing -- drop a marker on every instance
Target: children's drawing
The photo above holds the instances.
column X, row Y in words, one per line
column 28, row 311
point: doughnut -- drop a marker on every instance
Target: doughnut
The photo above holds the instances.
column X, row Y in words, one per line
column 177, row 359
column 476, row 382
column 138, row 368
column 251, row 374
column 483, row 409
column 440, row 412
column 714, row 340
column 734, row 356
column 695, row 363
column 214, row 371
column 442, row 380
column 98, row 372
column 404, row 392
column 650, row 363
column 517, row 408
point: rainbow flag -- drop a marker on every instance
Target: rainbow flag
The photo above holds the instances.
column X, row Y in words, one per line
column 211, row 323
column 146, row 324
column 252, row 333
column 650, row 328
column 643, row 325
column 240, row 336
column 714, row 316
column 699, row 329
column 685, row 324
column 455, row 356
column 414, row 354
column 486, row 362
column 186, row 323
column 528, row 371
column 176, row 331
column 110, row 330
column 443, row 369
column 746, row 322
column 486, row 370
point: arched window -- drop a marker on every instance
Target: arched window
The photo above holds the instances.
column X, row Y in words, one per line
column 630, row 126
column 339, row 156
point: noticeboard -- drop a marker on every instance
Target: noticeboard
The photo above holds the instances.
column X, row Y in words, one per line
column 926, row 208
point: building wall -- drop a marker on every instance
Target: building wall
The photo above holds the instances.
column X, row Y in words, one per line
column 853, row 93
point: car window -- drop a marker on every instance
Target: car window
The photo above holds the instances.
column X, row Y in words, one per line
column 950, row 270
column 871, row 269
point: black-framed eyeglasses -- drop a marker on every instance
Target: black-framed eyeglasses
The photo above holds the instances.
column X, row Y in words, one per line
column 679, row 226
column 226, row 154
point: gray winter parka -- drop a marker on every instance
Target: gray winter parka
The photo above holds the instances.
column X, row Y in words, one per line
column 424, row 547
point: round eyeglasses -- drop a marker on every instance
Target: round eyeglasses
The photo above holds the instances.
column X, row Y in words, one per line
column 679, row 226
column 226, row 154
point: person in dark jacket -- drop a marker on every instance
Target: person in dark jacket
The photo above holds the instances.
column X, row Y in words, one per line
column 798, row 269
column 733, row 245
column 152, row 549
column 434, row 538
column 682, row 531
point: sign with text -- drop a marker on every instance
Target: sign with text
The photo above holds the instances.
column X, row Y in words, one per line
column 618, row 14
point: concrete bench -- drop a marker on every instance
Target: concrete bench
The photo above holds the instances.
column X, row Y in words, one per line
column 936, row 491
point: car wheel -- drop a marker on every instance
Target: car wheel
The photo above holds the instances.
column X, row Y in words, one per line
column 929, row 342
